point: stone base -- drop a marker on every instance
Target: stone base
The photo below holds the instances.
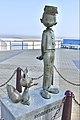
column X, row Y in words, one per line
column 39, row 108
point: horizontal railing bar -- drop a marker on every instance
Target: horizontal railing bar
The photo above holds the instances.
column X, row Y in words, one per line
column 29, row 44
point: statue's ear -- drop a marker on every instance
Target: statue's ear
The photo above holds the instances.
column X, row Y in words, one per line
column 26, row 70
column 41, row 20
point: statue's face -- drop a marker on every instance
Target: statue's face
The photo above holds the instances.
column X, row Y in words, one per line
column 49, row 20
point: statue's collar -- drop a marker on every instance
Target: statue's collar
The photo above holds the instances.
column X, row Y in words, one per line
column 49, row 29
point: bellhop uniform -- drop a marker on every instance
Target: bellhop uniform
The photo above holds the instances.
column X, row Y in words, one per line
column 48, row 52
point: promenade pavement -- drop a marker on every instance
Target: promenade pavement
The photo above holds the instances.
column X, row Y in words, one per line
column 65, row 62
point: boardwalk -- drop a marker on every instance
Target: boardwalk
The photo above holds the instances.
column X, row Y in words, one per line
column 65, row 62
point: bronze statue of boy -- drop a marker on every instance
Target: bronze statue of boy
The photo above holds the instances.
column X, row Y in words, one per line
column 48, row 50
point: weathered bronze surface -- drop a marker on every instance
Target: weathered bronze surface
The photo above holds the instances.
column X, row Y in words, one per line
column 13, row 94
column 27, row 83
column 48, row 50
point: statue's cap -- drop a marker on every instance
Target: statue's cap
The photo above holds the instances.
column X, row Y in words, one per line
column 52, row 10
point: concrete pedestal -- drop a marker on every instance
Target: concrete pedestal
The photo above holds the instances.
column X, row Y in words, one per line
column 39, row 108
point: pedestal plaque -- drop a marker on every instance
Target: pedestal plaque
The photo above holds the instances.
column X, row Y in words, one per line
column 39, row 108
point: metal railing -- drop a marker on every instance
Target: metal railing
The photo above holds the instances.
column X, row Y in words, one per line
column 24, row 44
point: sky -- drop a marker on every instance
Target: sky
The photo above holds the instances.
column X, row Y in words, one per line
column 22, row 17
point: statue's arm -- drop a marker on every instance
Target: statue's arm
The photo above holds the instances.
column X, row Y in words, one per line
column 43, row 43
column 53, row 42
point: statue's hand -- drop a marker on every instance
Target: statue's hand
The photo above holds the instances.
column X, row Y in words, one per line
column 40, row 57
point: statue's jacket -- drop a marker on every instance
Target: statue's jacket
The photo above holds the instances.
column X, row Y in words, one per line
column 48, row 40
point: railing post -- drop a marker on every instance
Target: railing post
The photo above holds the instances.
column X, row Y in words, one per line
column 33, row 45
column 58, row 43
column 66, row 115
column 10, row 44
column 18, row 77
column 22, row 45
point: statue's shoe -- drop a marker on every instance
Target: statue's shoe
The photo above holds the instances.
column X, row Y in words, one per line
column 45, row 94
column 53, row 89
column 13, row 94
